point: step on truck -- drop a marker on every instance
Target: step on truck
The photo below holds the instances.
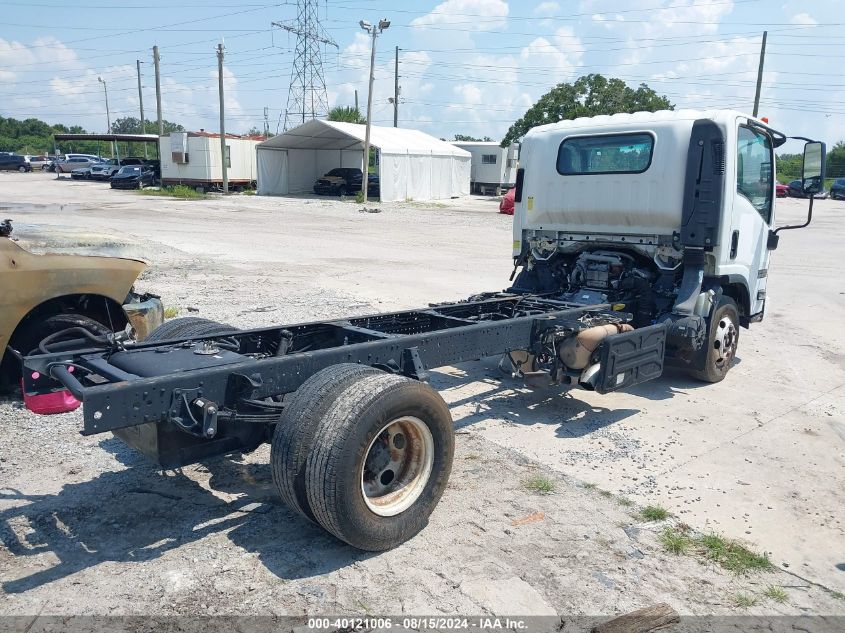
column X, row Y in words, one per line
column 639, row 240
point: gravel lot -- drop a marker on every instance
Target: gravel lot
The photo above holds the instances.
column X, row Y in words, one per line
column 88, row 527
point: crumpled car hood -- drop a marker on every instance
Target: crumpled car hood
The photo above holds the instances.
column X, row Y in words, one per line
column 64, row 240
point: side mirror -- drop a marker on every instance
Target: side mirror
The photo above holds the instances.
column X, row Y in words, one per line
column 812, row 172
column 812, row 182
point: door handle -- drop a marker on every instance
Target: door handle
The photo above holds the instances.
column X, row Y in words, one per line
column 734, row 244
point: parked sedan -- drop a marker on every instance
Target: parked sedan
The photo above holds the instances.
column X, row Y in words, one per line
column 796, row 190
column 340, row 181
column 75, row 162
column 83, row 173
column 837, row 189
column 133, row 177
column 781, row 191
column 14, row 162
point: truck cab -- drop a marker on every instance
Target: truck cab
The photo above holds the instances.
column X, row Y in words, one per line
column 666, row 215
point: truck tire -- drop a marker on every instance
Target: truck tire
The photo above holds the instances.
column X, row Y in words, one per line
column 186, row 327
column 381, row 460
column 293, row 438
column 722, row 342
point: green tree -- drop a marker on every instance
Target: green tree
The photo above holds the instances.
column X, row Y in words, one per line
column 471, row 139
column 132, row 125
column 347, row 114
column 589, row 95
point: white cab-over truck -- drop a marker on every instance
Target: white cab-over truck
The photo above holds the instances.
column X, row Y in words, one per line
column 667, row 215
column 640, row 238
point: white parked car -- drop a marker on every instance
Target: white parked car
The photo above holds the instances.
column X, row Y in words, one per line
column 108, row 168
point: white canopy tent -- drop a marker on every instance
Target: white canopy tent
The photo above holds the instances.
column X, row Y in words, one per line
column 412, row 165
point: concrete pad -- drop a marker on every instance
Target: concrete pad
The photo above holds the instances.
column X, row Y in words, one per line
column 506, row 596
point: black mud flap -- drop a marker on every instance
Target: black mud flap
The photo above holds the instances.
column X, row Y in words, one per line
column 631, row 358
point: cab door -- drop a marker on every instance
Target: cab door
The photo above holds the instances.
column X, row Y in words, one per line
column 753, row 211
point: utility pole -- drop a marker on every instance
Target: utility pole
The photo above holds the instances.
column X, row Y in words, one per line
column 141, row 103
column 108, row 116
column 156, row 59
column 396, row 91
column 266, row 122
column 374, row 30
column 760, row 74
column 222, row 118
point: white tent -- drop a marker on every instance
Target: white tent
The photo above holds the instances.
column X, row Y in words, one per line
column 412, row 165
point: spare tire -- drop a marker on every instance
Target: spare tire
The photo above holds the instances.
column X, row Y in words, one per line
column 188, row 327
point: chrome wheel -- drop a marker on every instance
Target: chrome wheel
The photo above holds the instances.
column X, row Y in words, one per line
column 397, row 466
column 725, row 341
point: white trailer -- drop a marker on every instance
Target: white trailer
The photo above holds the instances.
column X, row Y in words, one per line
column 493, row 167
column 193, row 158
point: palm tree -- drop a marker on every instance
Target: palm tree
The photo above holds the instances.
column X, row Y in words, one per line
column 347, row 114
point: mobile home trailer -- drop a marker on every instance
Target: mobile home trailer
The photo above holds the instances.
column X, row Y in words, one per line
column 493, row 167
column 193, row 158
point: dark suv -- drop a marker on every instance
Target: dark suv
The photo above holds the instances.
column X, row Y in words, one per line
column 14, row 162
column 340, row 181
column 837, row 189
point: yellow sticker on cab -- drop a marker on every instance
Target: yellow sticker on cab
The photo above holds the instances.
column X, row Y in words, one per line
column 530, row 203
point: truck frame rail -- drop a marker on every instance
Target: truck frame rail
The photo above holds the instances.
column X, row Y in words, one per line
column 126, row 385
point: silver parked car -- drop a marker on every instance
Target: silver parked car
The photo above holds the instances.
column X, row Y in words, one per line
column 76, row 162
column 108, row 168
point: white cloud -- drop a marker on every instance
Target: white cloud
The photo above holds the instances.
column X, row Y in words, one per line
column 13, row 55
column 488, row 14
column 560, row 56
column 547, row 9
column 804, row 19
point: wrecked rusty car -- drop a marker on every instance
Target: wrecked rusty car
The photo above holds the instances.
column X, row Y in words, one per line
column 44, row 290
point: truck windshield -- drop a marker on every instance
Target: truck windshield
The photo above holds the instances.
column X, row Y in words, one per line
column 606, row 154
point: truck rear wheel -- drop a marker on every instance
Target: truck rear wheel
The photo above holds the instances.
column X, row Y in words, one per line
column 293, row 438
column 722, row 342
column 381, row 460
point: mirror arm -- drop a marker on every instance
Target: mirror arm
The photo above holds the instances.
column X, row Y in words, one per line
column 799, row 226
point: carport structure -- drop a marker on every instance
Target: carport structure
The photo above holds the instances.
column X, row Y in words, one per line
column 412, row 164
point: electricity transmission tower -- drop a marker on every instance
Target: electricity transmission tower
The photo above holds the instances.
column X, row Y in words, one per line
column 307, row 97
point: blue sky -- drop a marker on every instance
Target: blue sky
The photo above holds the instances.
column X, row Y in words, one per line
column 466, row 66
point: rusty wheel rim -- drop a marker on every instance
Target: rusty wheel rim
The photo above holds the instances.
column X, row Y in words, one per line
column 397, row 466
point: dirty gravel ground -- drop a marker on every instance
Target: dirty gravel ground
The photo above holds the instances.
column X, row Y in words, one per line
column 89, row 527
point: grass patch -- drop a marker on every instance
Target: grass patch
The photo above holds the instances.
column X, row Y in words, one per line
column 838, row 595
column 590, row 486
column 625, row 503
column 675, row 541
column 473, row 456
column 171, row 312
column 654, row 513
column 359, row 197
column 777, row 594
column 732, row 555
column 744, row 601
column 729, row 554
column 182, row 192
column 540, row 484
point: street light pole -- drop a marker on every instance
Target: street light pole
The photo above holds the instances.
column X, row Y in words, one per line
column 108, row 116
column 374, row 30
